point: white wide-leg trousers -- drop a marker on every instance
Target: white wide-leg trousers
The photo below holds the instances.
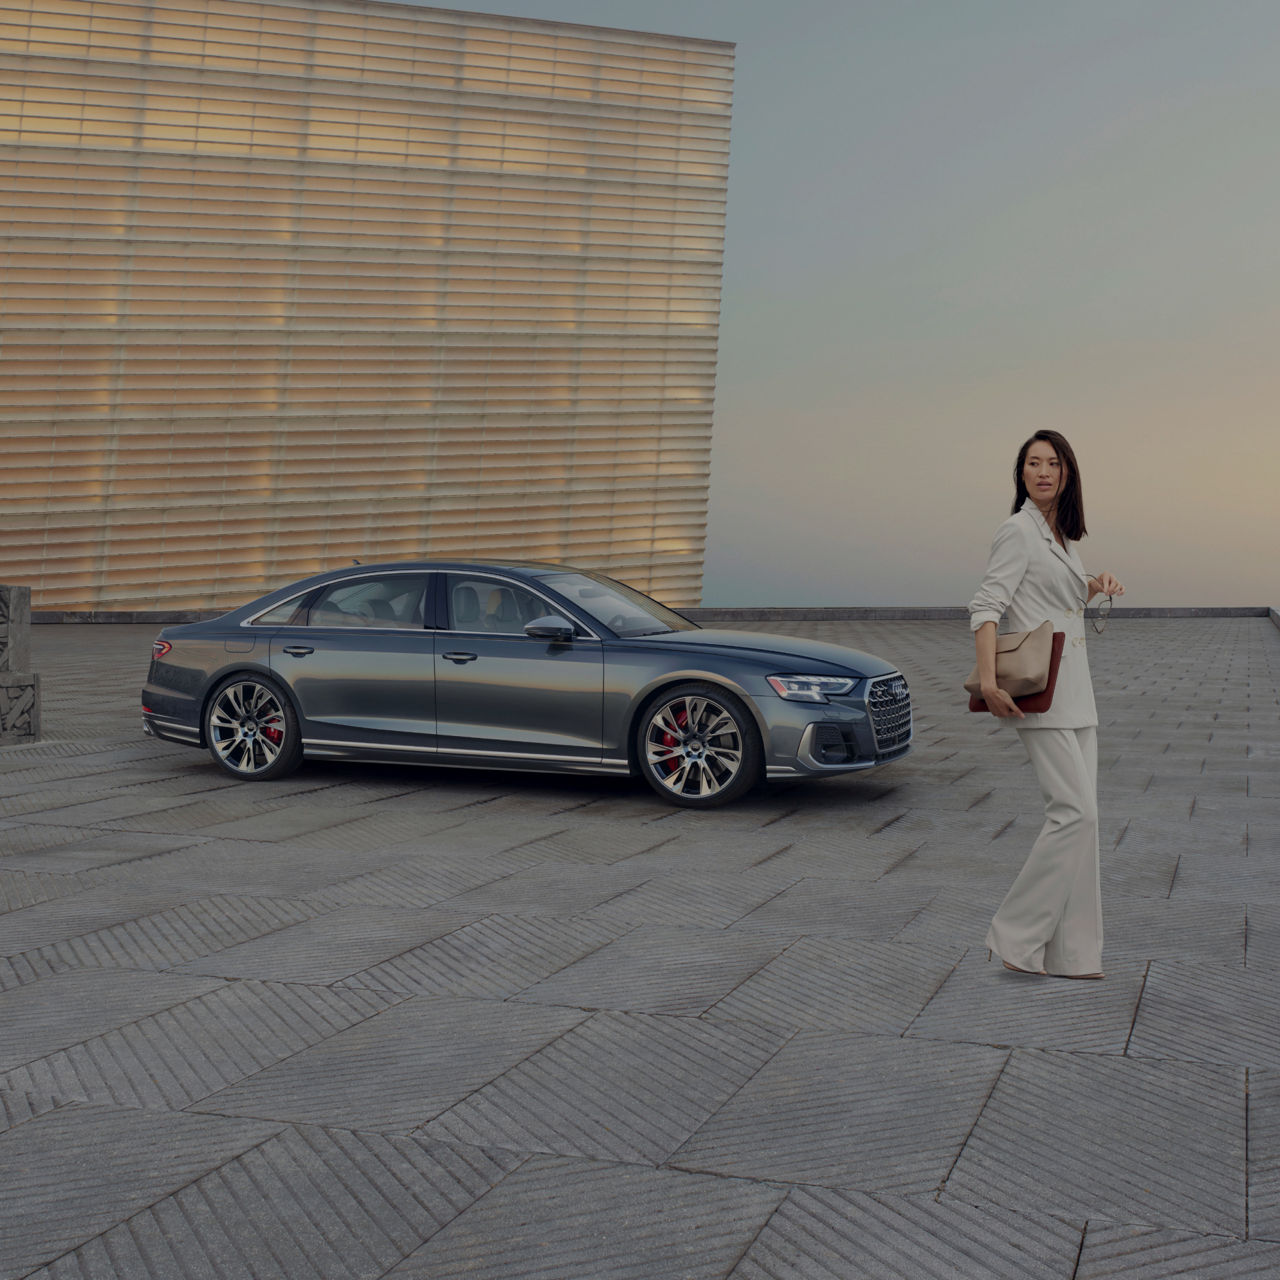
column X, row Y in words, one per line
column 1052, row 916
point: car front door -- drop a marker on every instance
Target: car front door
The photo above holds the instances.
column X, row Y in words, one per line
column 360, row 663
column 501, row 693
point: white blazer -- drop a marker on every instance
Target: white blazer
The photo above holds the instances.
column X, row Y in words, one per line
column 1030, row 578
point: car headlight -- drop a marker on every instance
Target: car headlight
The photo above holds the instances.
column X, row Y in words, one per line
column 810, row 688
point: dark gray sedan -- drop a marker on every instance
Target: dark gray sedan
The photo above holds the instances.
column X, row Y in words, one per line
column 514, row 665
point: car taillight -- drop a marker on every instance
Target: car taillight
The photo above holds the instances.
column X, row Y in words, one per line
column 159, row 648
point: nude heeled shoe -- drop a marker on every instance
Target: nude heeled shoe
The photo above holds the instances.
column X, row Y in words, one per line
column 1013, row 968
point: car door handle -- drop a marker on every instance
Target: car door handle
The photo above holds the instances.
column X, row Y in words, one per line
column 460, row 658
column 298, row 650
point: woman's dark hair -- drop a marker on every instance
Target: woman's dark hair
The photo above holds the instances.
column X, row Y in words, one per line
column 1070, row 496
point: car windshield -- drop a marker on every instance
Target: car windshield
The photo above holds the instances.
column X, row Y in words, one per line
column 622, row 610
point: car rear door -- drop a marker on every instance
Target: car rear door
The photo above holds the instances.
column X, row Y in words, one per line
column 360, row 664
column 501, row 693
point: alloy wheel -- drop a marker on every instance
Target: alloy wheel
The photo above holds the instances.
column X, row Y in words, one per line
column 693, row 747
column 247, row 727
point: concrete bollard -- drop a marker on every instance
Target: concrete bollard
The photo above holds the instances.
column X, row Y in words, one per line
column 19, row 686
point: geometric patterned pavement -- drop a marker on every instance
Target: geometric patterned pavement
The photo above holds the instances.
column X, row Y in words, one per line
column 376, row 1021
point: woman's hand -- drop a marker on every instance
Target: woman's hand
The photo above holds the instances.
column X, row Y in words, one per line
column 1000, row 704
column 1106, row 584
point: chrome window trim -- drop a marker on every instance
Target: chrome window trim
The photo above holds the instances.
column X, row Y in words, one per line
column 489, row 576
column 393, row 573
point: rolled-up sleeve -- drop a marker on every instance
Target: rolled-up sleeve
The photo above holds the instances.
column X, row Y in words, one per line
column 1005, row 569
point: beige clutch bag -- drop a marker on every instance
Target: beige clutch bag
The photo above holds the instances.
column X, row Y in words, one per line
column 1023, row 659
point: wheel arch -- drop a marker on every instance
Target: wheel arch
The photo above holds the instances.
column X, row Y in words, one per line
column 232, row 671
column 648, row 696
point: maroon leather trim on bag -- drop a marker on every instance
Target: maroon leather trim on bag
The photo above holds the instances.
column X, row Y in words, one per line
column 1034, row 703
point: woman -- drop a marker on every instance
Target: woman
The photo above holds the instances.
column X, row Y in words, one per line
column 1051, row 920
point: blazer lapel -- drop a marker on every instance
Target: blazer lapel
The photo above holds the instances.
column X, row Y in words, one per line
column 1062, row 554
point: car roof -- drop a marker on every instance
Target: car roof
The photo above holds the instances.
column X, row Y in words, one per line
column 531, row 569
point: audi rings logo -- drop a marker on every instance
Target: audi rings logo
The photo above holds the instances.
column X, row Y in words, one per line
column 899, row 689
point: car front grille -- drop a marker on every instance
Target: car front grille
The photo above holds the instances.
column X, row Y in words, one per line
column 889, row 701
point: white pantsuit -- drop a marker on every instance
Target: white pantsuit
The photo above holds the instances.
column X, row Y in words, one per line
column 1052, row 916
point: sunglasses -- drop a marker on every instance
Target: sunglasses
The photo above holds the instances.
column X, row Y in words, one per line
column 1099, row 614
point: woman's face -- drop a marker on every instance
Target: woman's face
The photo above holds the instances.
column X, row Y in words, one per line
column 1043, row 473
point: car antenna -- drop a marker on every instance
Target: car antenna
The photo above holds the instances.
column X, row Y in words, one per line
column 354, row 560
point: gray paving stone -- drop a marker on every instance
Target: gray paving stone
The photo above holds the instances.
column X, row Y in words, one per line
column 417, row 881
column 982, row 1002
column 399, row 1069
column 183, row 1053
column 919, row 853
column 654, row 969
column 819, row 1233
column 1263, row 928
column 1091, row 1136
column 955, row 917
column 620, row 1087
column 548, row 888
column 873, row 912
column 719, row 853
column 327, row 1205
column 1264, row 1154
column 69, row 908
column 331, row 947
column 76, row 849
column 561, row 1219
column 1208, row 1014
column 1117, row 1252
column 74, row 1172
column 695, row 898
column 1210, row 933
column 62, row 1010
column 20, row 887
column 494, row 957
column 159, row 940
column 867, row 1113
column 597, row 843
column 834, row 984
column 1208, row 877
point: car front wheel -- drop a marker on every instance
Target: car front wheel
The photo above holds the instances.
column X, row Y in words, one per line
column 698, row 746
column 252, row 729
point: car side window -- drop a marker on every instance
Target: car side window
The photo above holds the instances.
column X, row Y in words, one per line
column 491, row 605
column 393, row 601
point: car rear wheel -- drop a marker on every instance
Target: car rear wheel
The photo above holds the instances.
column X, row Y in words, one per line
column 698, row 746
column 252, row 729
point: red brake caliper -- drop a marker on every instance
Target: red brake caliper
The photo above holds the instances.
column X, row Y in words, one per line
column 668, row 740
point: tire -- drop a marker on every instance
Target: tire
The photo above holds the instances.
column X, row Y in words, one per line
column 716, row 762
column 252, row 728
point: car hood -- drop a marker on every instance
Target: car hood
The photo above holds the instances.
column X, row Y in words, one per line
column 792, row 653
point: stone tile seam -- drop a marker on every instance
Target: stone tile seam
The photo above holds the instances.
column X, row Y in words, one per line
column 946, row 977
column 751, row 1244
column 1247, row 1169
column 608, row 942
column 986, row 1102
column 1137, row 1005
column 150, row 1208
column 755, row 972
column 317, row 1184
column 269, row 899
column 670, row 1161
column 137, row 1024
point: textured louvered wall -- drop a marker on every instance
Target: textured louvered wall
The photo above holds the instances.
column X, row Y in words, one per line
column 283, row 284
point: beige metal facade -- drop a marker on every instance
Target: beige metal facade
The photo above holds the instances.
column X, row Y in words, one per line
column 286, row 284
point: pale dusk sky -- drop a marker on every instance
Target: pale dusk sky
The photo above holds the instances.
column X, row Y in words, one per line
column 954, row 221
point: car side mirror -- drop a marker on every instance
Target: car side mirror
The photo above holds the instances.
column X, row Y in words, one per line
column 549, row 628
